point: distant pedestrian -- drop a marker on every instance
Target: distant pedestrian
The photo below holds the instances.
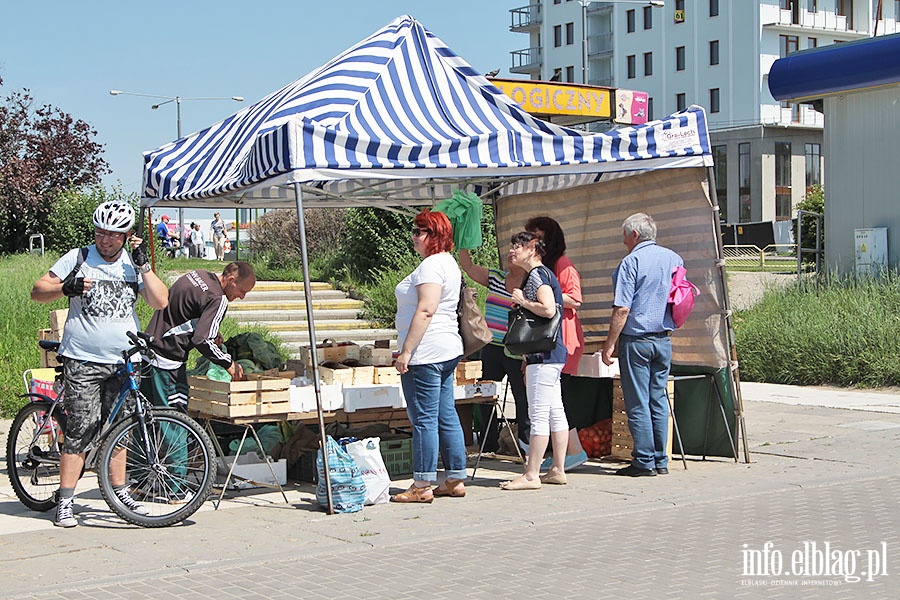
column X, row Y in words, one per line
column 197, row 242
column 639, row 330
column 217, row 233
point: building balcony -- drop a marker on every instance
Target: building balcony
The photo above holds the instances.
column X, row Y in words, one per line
column 820, row 20
column 600, row 45
column 527, row 61
column 599, row 8
column 526, row 18
column 601, row 81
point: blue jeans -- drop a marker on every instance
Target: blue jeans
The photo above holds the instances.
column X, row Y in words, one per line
column 644, row 363
column 432, row 411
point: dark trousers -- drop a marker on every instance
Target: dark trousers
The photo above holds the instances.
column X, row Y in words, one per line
column 495, row 364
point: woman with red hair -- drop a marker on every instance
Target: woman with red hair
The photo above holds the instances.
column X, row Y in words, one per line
column 430, row 347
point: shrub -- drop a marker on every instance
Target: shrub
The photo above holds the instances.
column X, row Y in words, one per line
column 69, row 224
column 841, row 332
column 275, row 238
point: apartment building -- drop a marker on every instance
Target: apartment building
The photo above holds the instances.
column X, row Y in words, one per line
column 716, row 54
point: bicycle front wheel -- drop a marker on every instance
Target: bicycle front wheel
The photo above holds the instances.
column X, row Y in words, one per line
column 169, row 472
column 32, row 455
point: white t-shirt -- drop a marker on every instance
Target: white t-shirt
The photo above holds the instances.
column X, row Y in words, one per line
column 441, row 341
column 97, row 322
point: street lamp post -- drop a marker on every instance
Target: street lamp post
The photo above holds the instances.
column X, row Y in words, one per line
column 177, row 100
column 584, row 36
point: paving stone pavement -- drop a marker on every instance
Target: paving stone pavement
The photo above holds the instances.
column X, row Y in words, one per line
column 821, row 480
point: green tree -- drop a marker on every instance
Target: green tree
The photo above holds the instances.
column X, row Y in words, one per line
column 69, row 223
column 43, row 153
column 814, row 201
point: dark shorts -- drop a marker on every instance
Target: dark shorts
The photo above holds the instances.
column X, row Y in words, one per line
column 91, row 393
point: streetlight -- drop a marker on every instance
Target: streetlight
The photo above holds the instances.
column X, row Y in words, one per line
column 584, row 37
column 177, row 100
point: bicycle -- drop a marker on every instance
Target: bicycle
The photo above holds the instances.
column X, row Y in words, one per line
column 169, row 459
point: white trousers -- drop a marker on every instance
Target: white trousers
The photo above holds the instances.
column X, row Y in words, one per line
column 545, row 406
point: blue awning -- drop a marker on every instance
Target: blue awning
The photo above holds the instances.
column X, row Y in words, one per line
column 836, row 68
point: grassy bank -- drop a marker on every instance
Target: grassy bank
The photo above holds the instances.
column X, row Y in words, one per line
column 20, row 318
column 841, row 332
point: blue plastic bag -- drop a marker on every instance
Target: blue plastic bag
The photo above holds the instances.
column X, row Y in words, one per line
column 348, row 489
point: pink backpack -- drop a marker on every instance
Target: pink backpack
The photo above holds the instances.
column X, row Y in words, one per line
column 681, row 296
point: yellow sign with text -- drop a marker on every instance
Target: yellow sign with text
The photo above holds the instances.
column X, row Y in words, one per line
column 557, row 99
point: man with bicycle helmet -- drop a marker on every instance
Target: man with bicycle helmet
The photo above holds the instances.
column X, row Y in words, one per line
column 102, row 282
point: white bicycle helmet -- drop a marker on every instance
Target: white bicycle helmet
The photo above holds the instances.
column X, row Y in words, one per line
column 114, row 216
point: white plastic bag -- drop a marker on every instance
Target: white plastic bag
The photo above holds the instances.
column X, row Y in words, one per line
column 367, row 456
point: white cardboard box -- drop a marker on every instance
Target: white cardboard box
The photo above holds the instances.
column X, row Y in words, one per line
column 591, row 365
column 358, row 397
column 251, row 466
column 303, row 398
column 472, row 390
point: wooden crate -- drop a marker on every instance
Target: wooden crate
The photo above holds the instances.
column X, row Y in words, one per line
column 468, row 371
column 622, row 442
column 330, row 350
column 379, row 357
column 58, row 319
column 49, row 359
column 342, row 376
column 386, row 375
column 259, row 396
column 363, row 375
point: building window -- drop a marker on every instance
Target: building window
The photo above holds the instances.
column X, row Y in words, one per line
column 649, row 109
column 714, row 100
column 812, row 43
column 813, row 164
column 788, row 44
column 557, row 36
column 679, row 11
column 680, row 102
column 648, row 64
column 811, row 6
column 844, row 8
column 782, row 181
column 897, row 10
column 714, row 52
column 557, row 1
column 744, row 182
column 629, row 20
column 714, row 8
column 631, row 61
column 570, row 33
column 720, row 172
column 570, row 74
column 648, row 17
column 557, row 75
column 679, row 58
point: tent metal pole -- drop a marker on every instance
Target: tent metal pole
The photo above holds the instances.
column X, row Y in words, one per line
column 733, row 369
column 307, row 294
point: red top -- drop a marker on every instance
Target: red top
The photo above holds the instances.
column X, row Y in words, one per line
column 573, row 334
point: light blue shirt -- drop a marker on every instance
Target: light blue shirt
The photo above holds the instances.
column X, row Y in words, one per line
column 641, row 283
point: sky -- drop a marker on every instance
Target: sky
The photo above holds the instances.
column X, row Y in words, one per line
column 71, row 54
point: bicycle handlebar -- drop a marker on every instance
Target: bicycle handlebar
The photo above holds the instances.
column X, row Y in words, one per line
column 141, row 344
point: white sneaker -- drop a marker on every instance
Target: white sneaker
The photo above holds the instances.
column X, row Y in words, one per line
column 64, row 515
column 130, row 503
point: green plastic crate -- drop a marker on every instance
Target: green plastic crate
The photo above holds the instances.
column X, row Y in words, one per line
column 397, row 456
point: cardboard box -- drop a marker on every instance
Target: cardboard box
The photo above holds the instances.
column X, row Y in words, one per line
column 372, row 396
column 252, row 467
column 262, row 396
column 379, row 357
column 591, row 365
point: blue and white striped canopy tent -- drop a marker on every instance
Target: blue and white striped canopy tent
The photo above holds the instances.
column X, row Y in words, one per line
column 399, row 120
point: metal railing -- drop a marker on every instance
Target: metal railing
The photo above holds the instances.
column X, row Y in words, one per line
column 525, row 17
column 526, row 59
column 770, row 258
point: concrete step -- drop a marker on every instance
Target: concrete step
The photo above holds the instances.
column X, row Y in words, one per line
column 256, row 295
column 300, row 304
column 252, row 316
column 336, row 324
column 360, row 336
column 295, row 286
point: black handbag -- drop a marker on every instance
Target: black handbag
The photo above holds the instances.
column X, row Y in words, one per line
column 530, row 334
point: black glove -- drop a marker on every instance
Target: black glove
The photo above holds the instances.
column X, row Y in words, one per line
column 73, row 286
column 139, row 255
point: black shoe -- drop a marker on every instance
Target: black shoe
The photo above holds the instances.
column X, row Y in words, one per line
column 632, row 471
column 662, row 471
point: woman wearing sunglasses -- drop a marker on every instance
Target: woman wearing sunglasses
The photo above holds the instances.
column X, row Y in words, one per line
column 430, row 347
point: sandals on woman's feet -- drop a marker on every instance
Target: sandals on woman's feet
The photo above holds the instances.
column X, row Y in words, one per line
column 415, row 494
column 454, row 489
